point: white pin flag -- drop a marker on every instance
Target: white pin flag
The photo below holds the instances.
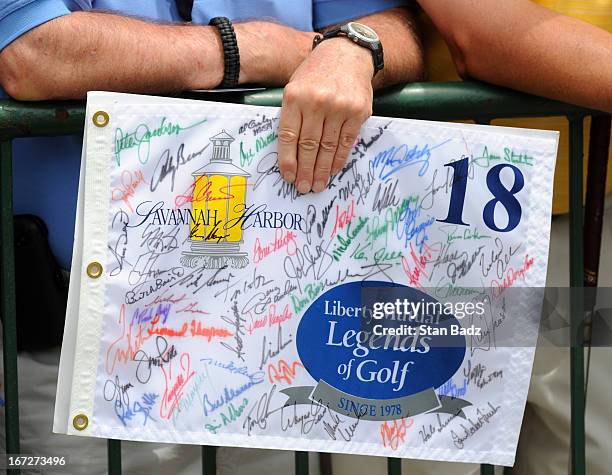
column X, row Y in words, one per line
column 393, row 314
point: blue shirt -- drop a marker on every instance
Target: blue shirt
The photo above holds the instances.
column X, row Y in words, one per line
column 46, row 170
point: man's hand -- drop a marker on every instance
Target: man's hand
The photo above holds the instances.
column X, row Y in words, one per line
column 324, row 105
column 330, row 96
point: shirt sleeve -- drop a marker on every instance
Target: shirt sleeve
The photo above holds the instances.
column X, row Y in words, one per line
column 20, row 16
column 330, row 12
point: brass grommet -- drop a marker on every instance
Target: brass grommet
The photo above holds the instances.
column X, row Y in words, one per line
column 94, row 270
column 80, row 422
column 100, row 119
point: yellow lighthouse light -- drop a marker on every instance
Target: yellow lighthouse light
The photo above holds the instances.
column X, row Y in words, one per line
column 219, row 196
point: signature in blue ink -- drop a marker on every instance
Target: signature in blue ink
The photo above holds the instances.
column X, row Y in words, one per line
column 408, row 228
column 144, row 407
column 228, row 394
column 398, row 157
column 451, row 389
column 147, row 314
column 231, row 367
column 118, row 394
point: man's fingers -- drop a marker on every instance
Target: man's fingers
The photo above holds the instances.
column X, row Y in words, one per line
column 348, row 135
column 327, row 151
column 288, row 134
column 307, row 148
column 317, row 130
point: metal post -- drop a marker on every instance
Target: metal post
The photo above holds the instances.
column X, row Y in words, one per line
column 486, row 469
column 577, row 296
column 8, row 304
column 209, row 460
column 301, row 463
column 114, row 457
column 325, row 463
column 394, row 466
column 594, row 207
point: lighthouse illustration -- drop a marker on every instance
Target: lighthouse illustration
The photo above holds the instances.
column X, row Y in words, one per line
column 219, row 197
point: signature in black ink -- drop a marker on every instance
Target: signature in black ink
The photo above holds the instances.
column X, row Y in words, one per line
column 146, row 363
column 267, row 351
column 169, row 165
column 119, row 250
column 237, row 323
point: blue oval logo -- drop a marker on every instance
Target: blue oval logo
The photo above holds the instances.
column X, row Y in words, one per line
column 337, row 342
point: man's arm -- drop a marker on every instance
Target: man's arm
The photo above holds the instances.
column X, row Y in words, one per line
column 330, row 96
column 70, row 55
column 327, row 99
column 519, row 44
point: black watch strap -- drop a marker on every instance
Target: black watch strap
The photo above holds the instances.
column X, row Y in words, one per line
column 231, row 56
column 379, row 59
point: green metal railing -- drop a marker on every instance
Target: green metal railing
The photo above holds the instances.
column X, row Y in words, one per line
column 432, row 101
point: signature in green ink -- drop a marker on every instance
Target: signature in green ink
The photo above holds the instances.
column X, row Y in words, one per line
column 351, row 233
column 486, row 158
column 247, row 154
column 141, row 137
column 378, row 228
column 453, row 233
column 263, row 142
column 312, row 291
column 228, row 415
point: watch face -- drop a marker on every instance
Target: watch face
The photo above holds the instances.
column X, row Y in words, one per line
column 363, row 32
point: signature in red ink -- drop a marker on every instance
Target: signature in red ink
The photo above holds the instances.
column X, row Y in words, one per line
column 415, row 266
column 194, row 327
column 163, row 298
column 498, row 288
column 193, row 308
column 282, row 240
column 197, row 329
column 166, row 331
column 269, row 319
column 395, row 432
column 174, row 384
column 133, row 342
column 283, row 371
column 129, row 183
column 205, row 194
column 343, row 218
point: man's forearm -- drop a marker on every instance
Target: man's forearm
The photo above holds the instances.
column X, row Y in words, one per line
column 518, row 44
column 401, row 44
column 66, row 57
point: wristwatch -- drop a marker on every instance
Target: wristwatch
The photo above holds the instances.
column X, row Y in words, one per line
column 361, row 34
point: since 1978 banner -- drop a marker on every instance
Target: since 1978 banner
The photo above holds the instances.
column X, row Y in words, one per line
column 210, row 303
